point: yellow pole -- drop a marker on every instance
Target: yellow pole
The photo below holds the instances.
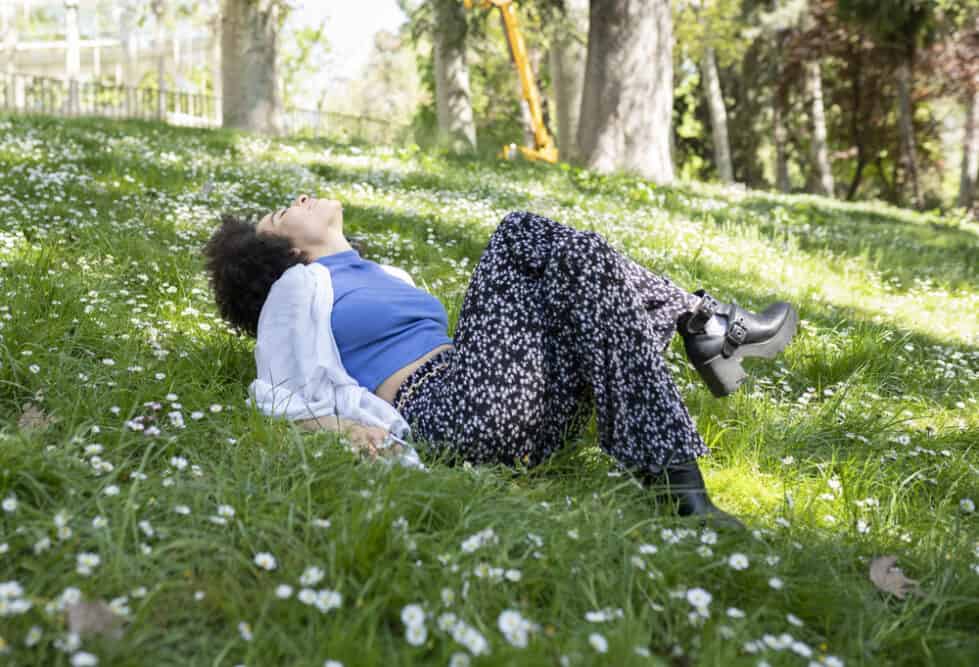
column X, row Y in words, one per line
column 544, row 148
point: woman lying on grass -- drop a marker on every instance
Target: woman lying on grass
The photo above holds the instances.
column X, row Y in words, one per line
column 554, row 321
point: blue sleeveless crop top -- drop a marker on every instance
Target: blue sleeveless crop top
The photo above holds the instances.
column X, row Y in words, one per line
column 380, row 323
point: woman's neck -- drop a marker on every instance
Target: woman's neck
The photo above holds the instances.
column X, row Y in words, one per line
column 333, row 244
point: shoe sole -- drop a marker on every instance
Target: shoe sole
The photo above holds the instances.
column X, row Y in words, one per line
column 724, row 376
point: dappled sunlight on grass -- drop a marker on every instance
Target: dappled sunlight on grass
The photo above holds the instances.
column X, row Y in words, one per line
column 223, row 536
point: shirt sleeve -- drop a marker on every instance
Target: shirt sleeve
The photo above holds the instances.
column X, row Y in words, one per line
column 290, row 383
column 399, row 273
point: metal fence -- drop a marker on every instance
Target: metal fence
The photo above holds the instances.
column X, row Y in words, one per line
column 28, row 93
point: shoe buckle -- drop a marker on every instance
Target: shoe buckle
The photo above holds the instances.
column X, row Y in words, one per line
column 736, row 333
column 705, row 310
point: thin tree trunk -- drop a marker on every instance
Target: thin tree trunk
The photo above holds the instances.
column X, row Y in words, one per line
column 718, row 116
column 905, row 121
column 159, row 47
column 457, row 129
column 820, row 150
column 781, row 155
column 215, row 67
column 127, row 37
column 857, row 177
column 856, row 135
column 9, row 12
column 890, row 185
column 249, row 62
column 970, row 150
column 627, row 103
column 778, row 120
column 568, row 75
column 73, row 58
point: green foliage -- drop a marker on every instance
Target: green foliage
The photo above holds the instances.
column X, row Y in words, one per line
column 493, row 81
column 303, row 56
column 714, row 23
column 906, row 23
column 689, row 130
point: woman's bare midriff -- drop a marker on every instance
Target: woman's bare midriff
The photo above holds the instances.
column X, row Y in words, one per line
column 389, row 388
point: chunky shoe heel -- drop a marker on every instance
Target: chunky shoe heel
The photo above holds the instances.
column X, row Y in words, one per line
column 770, row 348
column 717, row 357
column 682, row 486
column 722, row 376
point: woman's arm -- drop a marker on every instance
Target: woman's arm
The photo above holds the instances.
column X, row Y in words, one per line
column 365, row 439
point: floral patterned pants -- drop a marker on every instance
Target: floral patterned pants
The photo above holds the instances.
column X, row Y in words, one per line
column 554, row 322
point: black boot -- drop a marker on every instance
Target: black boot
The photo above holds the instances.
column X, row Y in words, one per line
column 683, row 485
column 717, row 357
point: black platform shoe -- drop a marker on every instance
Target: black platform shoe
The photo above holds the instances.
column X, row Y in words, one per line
column 718, row 357
column 682, row 485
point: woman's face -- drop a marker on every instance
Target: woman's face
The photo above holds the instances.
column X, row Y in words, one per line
column 307, row 223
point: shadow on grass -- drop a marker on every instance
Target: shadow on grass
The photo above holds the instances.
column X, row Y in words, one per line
column 893, row 244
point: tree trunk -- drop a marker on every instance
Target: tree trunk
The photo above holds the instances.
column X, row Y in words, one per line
column 8, row 12
column 249, row 61
column 905, row 121
column 856, row 97
column 718, row 116
column 215, row 68
column 127, row 38
column 780, row 131
column 457, row 130
column 970, row 150
column 820, row 150
column 778, row 120
column 568, row 75
column 627, row 102
column 159, row 47
column 73, row 57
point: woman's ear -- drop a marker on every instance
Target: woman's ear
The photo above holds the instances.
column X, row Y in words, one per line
column 295, row 252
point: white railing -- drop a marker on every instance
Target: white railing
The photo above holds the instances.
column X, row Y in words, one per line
column 29, row 93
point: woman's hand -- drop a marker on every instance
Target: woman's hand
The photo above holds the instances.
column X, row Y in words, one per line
column 365, row 439
column 369, row 441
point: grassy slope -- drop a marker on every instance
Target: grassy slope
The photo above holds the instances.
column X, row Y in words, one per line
column 860, row 441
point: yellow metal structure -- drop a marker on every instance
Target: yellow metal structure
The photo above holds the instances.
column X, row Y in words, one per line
column 544, row 147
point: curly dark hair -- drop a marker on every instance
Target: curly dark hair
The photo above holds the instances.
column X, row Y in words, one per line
column 242, row 265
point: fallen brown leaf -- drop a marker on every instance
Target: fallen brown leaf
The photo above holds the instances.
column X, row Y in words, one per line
column 94, row 618
column 890, row 579
column 34, row 418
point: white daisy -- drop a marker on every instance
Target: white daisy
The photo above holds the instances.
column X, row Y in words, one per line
column 412, row 614
column 738, row 561
column 598, row 642
column 311, row 576
column 460, row 659
column 416, row 634
column 698, row 597
column 83, row 659
column 265, row 560
column 86, row 562
column 327, row 600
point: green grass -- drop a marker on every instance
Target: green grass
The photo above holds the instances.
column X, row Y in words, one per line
column 859, row 441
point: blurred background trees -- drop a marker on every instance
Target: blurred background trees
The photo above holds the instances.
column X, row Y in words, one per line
column 855, row 99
